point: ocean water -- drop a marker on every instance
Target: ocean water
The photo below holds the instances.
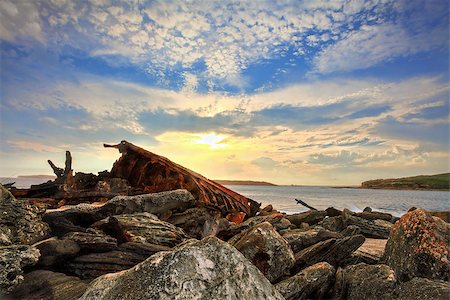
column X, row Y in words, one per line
column 395, row 202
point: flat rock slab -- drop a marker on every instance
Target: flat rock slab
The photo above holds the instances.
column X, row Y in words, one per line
column 311, row 283
column 48, row 285
column 206, row 269
column 54, row 252
column 300, row 239
column 421, row 289
column 93, row 241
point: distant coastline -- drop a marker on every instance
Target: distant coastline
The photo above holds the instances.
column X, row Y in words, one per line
column 48, row 177
column 438, row 182
column 244, row 182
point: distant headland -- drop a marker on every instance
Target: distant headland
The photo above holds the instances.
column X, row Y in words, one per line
column 421, row 182
column 244, row 182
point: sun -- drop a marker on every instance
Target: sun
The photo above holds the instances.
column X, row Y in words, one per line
column 213, row 140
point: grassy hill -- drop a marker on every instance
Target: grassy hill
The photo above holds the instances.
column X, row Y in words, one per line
column 421, row 182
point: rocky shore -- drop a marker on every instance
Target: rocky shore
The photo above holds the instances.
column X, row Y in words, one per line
column 175, row 245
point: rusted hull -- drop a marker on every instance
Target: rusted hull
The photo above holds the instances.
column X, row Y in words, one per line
column 154, row 173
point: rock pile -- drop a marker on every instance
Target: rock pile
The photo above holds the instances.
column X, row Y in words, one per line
column 171, row 245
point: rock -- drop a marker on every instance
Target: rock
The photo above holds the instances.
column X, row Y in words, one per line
column 370, row 253
column 333, row 224
column 206, row 269
column 86, row 214
column 374, row 215
column 43, row 284
column 60, row 226
column 367, row 209
column 351, row 230
column 418, row 247
column 266, row 249
column 20, row 222
column 300, row 239
column 444, row 215
column 363, row 281
column 369, row 228
column 141, row 227
column 311, row 217
column 93, row 265
column 333, row 251
column 333, row 212
column 268, row 208
column 12, row 260
column 199, row 222
column 92, row 241
column 311, row 283
column 143, row 249
column 54, row 252
column 422, row 288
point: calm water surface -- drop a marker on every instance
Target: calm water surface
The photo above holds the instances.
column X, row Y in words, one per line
column 282, row 197
column 391, row 201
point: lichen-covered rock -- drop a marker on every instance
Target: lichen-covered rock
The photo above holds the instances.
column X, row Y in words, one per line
column 311, row 283
column 12, row 260
column 266, row 249
column 333, row 251
column 207, row 269
column 300, row 239
column 92, row 241
column 421, row 289
column 43, row 284
column 141, row 227
column 364, row 281
column 20, row 222
column 418, row 246
column 54, row 252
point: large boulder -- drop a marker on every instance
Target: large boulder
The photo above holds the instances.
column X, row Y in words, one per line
column 43, row 284
column 12, row 260
column 311, row 283
column 364, row 281
column 421, row 289
column 142, row 228
column 20, row 222
column 206, row 269
column 419, row 247
column 300, row 239
column 266, row 249
column 333, row 251
column 54, row 252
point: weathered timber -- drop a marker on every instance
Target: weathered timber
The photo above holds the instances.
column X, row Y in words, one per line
column 154, row 173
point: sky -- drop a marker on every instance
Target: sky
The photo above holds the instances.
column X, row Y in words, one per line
column 291, row 92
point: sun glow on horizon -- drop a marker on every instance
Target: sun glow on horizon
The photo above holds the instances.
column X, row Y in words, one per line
column 214, row 141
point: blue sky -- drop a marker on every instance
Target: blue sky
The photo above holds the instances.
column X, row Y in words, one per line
column 304, row 92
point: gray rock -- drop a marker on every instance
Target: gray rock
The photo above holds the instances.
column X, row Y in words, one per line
column 92, row 241
column 421, row 289
column 351, row 230
column 20, row 222
column 199, row 222
column 142, row 228
column 419, row 247
column 311, row 217
column 86, row 214
column 54, row 252
column 43, row 284
column 333, row 224
column 333, row 251
column 369, row 228
column 370, row 252
column 300, row 239
column 266, row 249
column 363, row 281
column 93, row 265
column 206, row 269
column 311, row 283
column 12, row 260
